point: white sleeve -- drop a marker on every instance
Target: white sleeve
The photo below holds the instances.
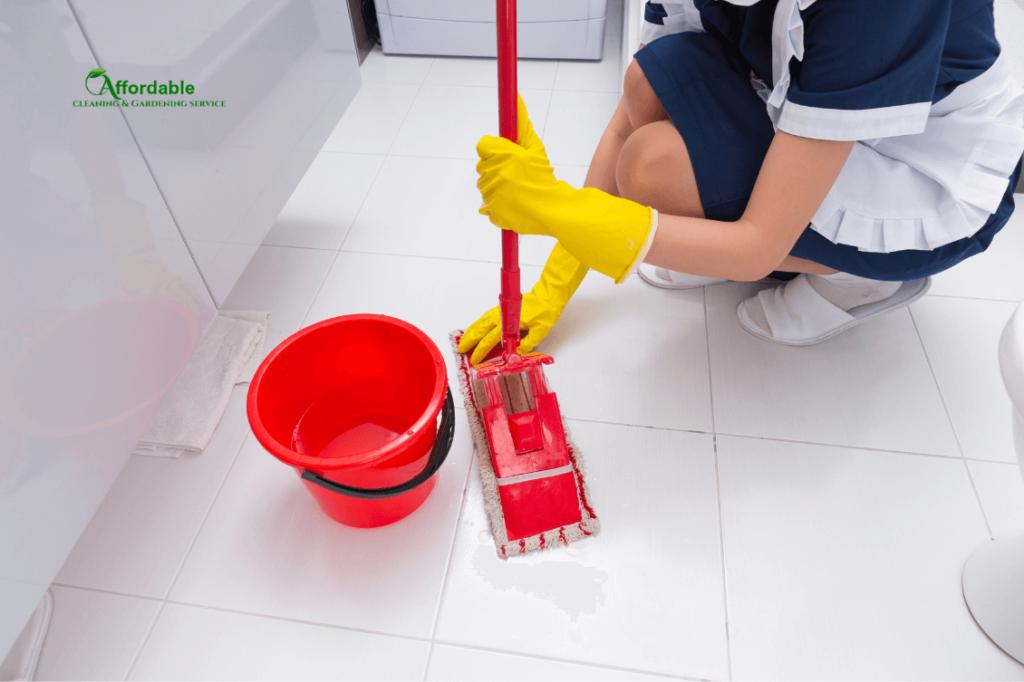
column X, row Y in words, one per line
column 666, row 18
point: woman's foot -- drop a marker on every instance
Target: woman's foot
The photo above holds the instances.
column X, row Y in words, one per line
column 813, row 308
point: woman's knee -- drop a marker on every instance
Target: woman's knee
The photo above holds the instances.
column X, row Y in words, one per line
column 642, row 104
column 654, row 169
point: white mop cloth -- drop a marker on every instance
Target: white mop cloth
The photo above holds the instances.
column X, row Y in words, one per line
column 229, row 354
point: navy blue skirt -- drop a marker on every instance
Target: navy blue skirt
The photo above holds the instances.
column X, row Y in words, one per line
column 704, row 86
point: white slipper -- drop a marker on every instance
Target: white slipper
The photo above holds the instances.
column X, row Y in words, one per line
column 800, row 316
column 669, row 279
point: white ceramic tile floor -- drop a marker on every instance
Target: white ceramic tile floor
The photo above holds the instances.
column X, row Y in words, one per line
column 94, row 635
column 425, row 207
column 440, row 299
column 371, row 122
column 993, row 275
column 961, row 337
column 140, row 535
column 843, row 391
column 381, row 68
column 532, row 74
column 267, row 548
column 846, row 563
column 446, row 121
column 320, row 211
column 190, row 643
column 281, row 281
column 475, row 665
column 1001, row 489
column 835, row 555
column 671, row 356
column 574, row 124
column 646, row 594
column 602, row 77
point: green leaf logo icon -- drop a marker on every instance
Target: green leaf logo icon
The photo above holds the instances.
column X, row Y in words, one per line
column 96, row 73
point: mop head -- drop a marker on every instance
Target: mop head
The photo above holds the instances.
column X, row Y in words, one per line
column 555, row 537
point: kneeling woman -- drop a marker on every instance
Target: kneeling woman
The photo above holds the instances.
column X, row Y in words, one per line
column 866, row 144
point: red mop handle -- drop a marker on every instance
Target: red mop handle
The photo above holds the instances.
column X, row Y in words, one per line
column 511, row 298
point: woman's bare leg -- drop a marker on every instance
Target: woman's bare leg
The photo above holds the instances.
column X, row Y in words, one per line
column 654, row 166
column 601, row 174
column 794, row 264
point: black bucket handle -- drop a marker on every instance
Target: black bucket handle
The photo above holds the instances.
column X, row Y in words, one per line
column 442, row 446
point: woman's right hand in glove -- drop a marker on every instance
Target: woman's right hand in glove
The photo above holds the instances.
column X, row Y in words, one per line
column 542, row 307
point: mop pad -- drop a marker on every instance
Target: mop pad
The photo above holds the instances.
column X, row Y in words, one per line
column 509, row 510
column 229, row 354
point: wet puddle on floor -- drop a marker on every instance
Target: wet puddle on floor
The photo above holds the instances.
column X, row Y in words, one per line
column 555, row 576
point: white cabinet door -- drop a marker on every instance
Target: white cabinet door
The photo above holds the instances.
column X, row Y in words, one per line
column 264, row 81
column 100, row 302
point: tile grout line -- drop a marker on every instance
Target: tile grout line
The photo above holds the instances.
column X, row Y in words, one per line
column 457, row 260
column 145, row 641
column 337, row 252
column 718, row 486
column 977, row 496
column 181, row 566
column 547, row 112
column 355, row 216
column 554, row 81
column 838, row 445
column 206, row 516
column 113, row 593
column 952, row 426
column 378, row 633
column 974, row 298
column 707, row 347
column 285, row 619
column 405, row 118
column 866, row 448
column 721, row 550
column 569, row 661
column 448, row 565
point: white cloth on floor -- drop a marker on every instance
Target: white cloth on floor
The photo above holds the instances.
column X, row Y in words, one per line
column 258, row 318
column 20, row 663
column 229, row 354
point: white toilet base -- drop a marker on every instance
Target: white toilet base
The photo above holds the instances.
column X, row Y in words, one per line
column 993, row 583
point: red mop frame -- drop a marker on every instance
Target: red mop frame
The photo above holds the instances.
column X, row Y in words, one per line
column 534, row 488
column 559, row 536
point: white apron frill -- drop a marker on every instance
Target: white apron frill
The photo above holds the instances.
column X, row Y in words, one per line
column 909, row 187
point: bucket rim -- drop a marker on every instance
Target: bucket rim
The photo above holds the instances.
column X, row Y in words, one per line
column 288, row 456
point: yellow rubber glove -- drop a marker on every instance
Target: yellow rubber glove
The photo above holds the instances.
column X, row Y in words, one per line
column 520, row 193
column 542, row 307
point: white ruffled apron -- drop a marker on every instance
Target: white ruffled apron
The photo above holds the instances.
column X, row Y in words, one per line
column 917, row 191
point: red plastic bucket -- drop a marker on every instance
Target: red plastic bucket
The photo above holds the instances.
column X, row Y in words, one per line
column 352, row 404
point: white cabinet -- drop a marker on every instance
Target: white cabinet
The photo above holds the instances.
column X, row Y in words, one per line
column 118, row 222
column 275, row 76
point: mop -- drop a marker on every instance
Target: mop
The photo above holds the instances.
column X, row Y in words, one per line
column 532, row 472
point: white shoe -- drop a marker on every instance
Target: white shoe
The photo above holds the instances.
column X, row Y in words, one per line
column 794, row 314
column 669, row 279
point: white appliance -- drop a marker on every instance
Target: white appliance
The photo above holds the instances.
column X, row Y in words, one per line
column 993, row 579
column 547, row 29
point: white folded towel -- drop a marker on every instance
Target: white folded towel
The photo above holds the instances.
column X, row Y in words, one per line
column 229, row 354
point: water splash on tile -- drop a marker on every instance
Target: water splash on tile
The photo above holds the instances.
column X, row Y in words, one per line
column 554, row 576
